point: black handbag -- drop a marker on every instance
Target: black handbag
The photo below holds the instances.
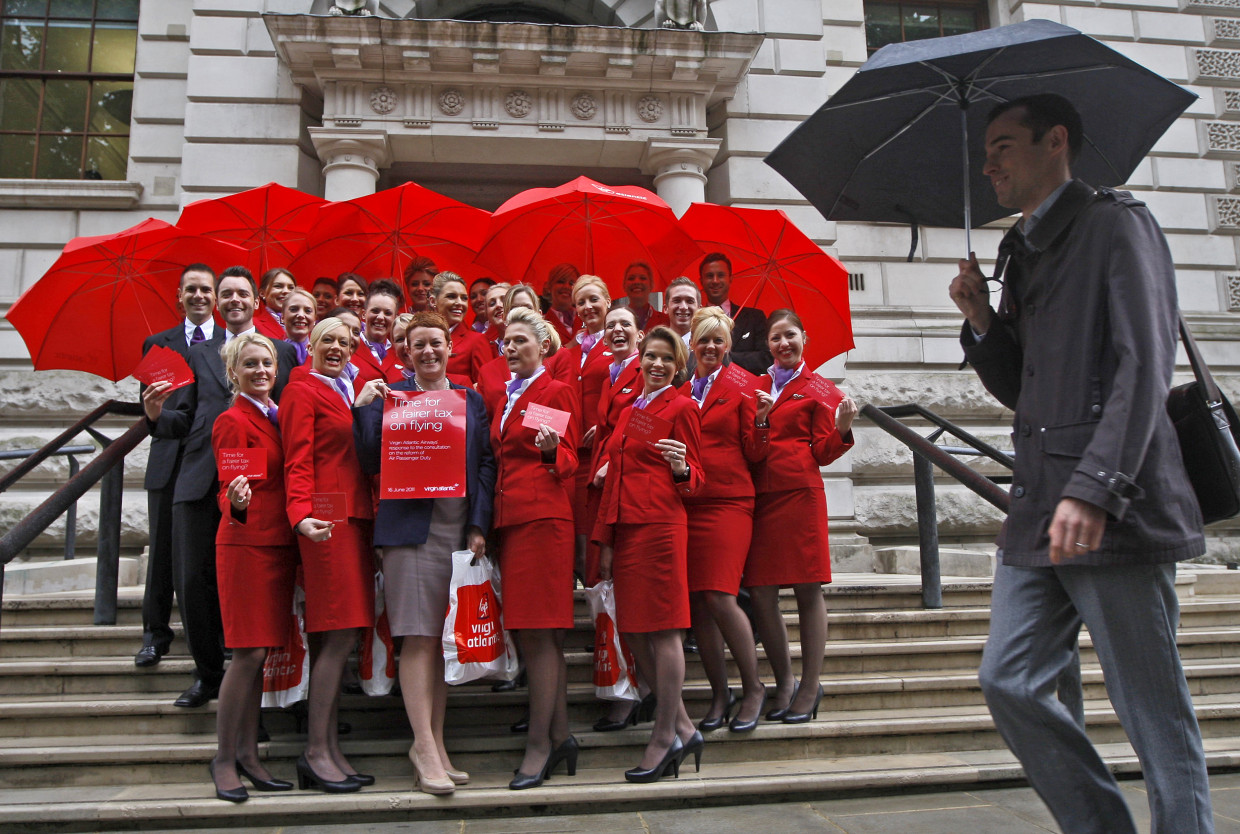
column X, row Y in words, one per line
column 1206, row 425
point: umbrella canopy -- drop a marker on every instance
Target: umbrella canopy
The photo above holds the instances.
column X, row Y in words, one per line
column 377, row 236
column 105, row 294
column 600, row 229
column 775, row 265
column 271, row 221
column 890, row 145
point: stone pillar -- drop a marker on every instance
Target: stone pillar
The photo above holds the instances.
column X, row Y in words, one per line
column 679, row 167
column 351, row 160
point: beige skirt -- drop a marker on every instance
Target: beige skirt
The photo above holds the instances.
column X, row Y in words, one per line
column 416, row 579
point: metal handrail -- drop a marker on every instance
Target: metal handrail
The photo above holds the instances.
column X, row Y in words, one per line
column 108, row 467
column 70, row 514
column 927, row 455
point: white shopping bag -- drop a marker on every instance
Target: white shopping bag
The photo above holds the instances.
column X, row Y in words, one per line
column 286, row 672
column 614, row 676
column 474, row 643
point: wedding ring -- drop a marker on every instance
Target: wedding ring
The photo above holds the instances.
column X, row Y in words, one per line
column 1082, row 544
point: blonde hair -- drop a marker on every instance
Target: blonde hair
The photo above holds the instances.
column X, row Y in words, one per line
column 663, row 333
column 592, row 281
column 534, row 320
column 304, row 292
column 443, row 279
column 515, row 290
column 231, row 354
column 328, row 324
column 706, row 321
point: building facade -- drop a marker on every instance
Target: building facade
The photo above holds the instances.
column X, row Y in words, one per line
column 482, row 100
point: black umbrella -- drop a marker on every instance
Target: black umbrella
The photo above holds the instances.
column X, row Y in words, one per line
column 888, row 146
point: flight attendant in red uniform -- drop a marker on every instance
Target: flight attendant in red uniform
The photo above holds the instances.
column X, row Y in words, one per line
column 470, row 350
column 495, row 374
column 274, row 287
column 789, row 546
column 316, row 427
column 721, row 523
column 583, row 364
column 255, row 563
column 352, row 292
column 558, row 290
column 643, row 533
column 374, row 357
column 534, row 518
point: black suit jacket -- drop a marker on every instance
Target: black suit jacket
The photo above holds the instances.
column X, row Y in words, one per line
column 191, row 411
column 749, row 340
column 162, row 460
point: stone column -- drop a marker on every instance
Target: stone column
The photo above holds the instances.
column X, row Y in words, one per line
column 351, row 160
column 679, row 167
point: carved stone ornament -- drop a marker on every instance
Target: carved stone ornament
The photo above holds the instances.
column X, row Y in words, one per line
column 1233, row 292
column 1227, row 28
column 650, row 108
column 1223, row 136
column 383, row 100
column 451, row 102
column 518, row 104
column 1218, row 63
column 1228, row 212
column 584, row 106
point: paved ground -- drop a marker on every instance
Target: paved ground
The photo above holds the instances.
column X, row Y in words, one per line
column 992, row 811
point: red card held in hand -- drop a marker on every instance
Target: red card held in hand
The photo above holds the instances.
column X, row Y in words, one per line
column 735, row 378
column 251, row 463
column 537, row 415
column 646, row 426
column 329, row 506
column 163, row 364
column 823, row 390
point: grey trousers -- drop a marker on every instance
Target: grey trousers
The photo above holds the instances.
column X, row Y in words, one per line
column 1132, row 614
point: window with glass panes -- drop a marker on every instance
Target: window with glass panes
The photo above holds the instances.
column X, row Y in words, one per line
column 898, row 22
column 66, row 87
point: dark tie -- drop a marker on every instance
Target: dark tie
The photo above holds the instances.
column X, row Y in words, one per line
column 699, row 387
column 198, row 336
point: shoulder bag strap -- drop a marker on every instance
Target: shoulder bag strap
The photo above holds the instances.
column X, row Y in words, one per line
column 1200, row 369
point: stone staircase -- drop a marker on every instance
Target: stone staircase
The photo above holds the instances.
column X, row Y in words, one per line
column 88, row 742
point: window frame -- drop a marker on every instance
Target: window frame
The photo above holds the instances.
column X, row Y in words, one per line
column 980, row 8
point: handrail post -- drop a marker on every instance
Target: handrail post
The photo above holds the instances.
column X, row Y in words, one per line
column 927, row 532
column 71, row 516
column 108, row 548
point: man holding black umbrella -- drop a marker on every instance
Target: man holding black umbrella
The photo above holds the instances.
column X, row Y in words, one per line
column 1082, row 347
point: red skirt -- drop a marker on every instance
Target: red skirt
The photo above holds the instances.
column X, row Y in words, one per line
column 340, row 578
column 789, row 544
column 584, row 512
column 256, row 593
column 719, row 534
column 651, row 577
column 536, row 573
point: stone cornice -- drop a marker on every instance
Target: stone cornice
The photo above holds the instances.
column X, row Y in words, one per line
column 74, row 194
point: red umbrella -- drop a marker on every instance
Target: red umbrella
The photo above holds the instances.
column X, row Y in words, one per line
column 271, row 221
column 775, row 265
column 600, row 229
column 377, row 236
column 105, row 294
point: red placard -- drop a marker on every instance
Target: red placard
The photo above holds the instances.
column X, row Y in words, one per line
column 823, row 390
column 537, row 416
column 251, row 463
column 163, row 364
column 423, row 445
column 646, row 426
column 329, row 506
column 735, row 378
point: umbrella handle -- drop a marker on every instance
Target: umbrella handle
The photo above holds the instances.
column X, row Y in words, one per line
column 968, row 196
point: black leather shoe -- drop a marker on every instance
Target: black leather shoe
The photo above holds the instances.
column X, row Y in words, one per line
column 197, row 695
column 263, row 784
column 521, row 725
column 234, row 795
column 147, row 656
column 363, row 779
column 607, row 725
column 670, row 761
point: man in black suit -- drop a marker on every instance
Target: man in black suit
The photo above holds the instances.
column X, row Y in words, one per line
column 196, row 298
column 189, row 414
column 749, row 330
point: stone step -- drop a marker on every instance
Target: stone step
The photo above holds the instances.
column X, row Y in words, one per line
column 597, row 787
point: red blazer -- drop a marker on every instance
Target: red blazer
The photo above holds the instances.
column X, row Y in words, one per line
column 264, row 522
column 589, row 380
column 802, row 437
column 316, row 428
column 615, row 398
column 470, row 351
column 492, row 380
column 369, row 368
column 526, row 487
column 566, row 332
column 639, row 488
column 728, row 436
column 654, row 320
column 269, row 325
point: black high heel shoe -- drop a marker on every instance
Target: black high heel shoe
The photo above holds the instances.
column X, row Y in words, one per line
column 363, row 779
column 307, row 778
column 708, row 725
column 607, row 725
column 232, row 794
column 263, row 784
column 778, row 713
column 670, row 759
column 804, row 717
column 647, row 707
column 739, row 726
column 692, row 747
column 566, row 750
